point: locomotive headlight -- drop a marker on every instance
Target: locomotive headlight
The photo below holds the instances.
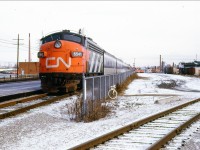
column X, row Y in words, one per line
column 57, row 44
column 40, row 55
column 77, row 54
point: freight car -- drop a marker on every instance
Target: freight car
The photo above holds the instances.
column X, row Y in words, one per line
column 64, row 56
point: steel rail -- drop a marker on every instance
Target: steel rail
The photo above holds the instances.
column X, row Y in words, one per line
column 173, row 133
column 101, row 139
column 24, row 109
column 21, row 100
column 19, row 95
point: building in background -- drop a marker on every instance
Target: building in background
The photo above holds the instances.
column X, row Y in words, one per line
column 190, row 68
column 28, row 68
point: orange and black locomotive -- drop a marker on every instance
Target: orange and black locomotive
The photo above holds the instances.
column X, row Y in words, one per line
column 64, row 56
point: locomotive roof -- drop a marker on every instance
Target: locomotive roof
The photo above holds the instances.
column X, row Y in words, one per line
column 75, row 33
column 63, row 31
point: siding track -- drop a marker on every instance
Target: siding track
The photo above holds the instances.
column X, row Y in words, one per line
column 17, row 106
column 149, row 133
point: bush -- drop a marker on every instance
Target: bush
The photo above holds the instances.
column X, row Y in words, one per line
column 94, row 110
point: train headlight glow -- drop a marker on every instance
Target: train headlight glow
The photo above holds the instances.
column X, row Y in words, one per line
column 77, row 54
column 57, row 44
column 40, row 55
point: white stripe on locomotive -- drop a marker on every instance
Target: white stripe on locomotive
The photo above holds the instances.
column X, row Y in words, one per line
column 100, row 63
column 97, row 62
column 92, row 62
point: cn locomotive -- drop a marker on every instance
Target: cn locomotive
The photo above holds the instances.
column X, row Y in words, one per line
column 64, row 56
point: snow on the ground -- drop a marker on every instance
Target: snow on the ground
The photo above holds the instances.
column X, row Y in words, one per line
column 50, row 127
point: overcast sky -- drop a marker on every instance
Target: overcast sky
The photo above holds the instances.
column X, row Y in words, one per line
column 131, row 29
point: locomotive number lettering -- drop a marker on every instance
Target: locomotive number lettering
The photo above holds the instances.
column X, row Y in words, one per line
column 76, row 54
column 57, row 62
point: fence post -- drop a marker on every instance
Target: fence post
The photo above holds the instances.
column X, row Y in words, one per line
column 109, row 81
column 93, row 102
column 100, row 88
column 92, row 88
column 105, row 88
column 120, row 79
column 113, row 80
column 84, row 95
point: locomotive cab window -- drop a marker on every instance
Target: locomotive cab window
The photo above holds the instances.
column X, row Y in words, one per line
column 63, row 36
column 72, row 37
column 52, row 37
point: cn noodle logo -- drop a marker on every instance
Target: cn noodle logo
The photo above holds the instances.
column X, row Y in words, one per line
column 58, row 60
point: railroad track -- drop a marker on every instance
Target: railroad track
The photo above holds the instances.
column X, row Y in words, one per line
column 149, row 133
column 17, row 106
column 19, row 95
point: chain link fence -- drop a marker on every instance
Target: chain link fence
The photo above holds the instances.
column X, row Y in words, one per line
column 97, row 87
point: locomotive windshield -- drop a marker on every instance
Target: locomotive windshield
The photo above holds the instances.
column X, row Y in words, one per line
column 63, row 36
column 50, row 38
column 72, row 37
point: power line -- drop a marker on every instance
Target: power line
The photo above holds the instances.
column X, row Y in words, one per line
column 6, row 42
column 22, row 49
column 11, row 43
column 21, row 46
column 6, row 46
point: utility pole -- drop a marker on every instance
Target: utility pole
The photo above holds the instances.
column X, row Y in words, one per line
column 29, row 54
column 134, row 63
column 160, row 64
column 29, row 47
column 18, row 54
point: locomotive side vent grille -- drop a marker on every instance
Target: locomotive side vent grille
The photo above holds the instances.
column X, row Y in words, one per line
column 95, row 48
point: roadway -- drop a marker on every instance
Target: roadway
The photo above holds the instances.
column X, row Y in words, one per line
column 19, row 87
